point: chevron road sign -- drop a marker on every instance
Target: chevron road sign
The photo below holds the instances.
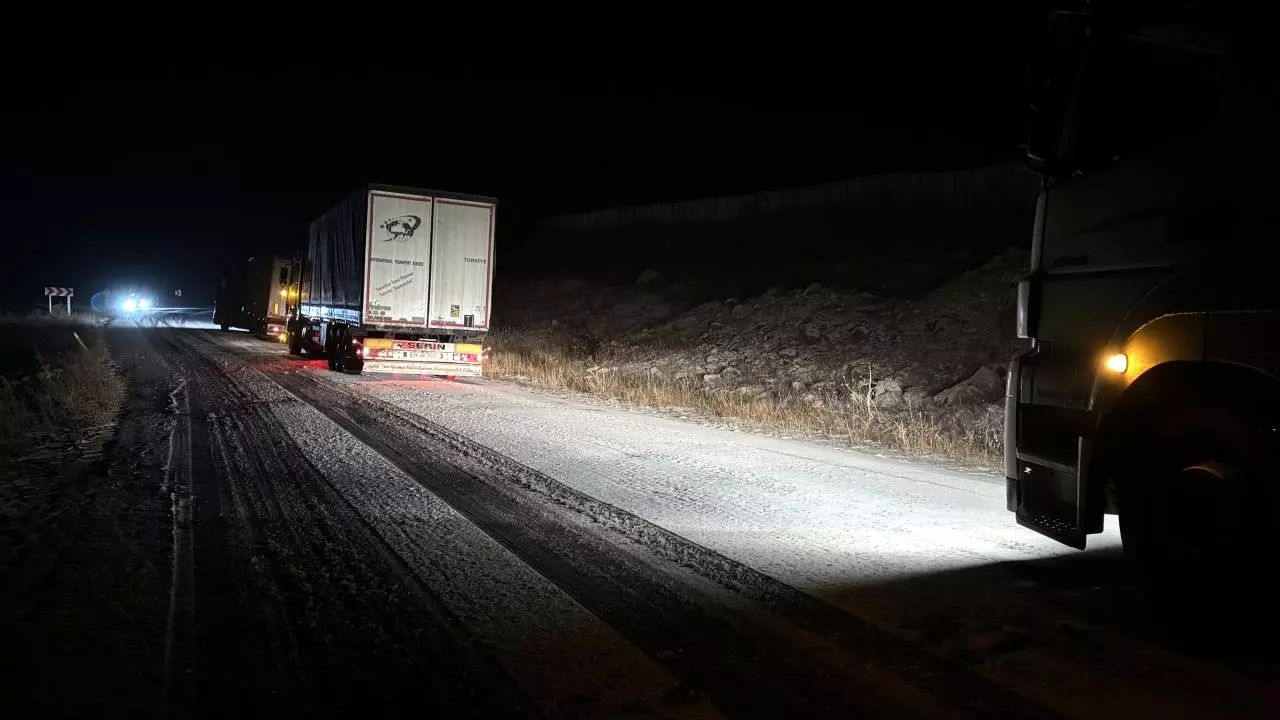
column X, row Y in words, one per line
column 52, row 291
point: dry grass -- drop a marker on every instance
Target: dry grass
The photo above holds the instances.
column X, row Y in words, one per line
column 969, row 435
column 56, row 379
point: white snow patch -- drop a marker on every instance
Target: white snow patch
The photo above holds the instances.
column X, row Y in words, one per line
column 810, row 515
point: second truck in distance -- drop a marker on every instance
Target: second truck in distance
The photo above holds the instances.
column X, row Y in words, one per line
column 252, row 296
column 397, row 280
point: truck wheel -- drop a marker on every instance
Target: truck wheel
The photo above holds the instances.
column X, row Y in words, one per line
column 225, row 327
column 1185, row 503
column 337, row 351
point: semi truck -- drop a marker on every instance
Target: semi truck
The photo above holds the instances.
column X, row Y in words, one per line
column 252, row 295
column 1150, row 386
column 397, row 280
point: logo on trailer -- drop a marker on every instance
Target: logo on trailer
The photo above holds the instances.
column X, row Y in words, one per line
column 455, row 310
column 401, row 227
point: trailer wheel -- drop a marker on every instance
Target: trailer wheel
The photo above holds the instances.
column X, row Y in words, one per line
column 336, row 349
column 225, row 327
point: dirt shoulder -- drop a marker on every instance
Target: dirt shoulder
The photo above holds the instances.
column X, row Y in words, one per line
column 85, row 528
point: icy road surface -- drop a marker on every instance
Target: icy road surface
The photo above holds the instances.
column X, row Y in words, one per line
column 717, row 572
column 925, row 552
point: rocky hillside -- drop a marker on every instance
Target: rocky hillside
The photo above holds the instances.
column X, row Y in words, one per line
column 945, row 349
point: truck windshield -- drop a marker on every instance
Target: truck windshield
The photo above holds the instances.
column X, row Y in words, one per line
column 1140, row 83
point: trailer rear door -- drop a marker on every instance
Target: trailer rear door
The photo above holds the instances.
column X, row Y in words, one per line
column 398, row 252
column 461, row 264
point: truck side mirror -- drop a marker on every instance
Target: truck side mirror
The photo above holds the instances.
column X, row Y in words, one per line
column 1056, row 78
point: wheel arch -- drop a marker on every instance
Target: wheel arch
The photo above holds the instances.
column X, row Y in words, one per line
column 1168, row 386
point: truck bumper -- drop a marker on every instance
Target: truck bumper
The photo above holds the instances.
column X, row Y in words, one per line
column 276, row 330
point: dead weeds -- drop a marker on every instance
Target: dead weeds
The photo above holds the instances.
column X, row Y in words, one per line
column 969, row 435
column 59, row 380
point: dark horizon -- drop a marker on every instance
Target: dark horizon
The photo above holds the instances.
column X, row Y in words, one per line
column 129, row 172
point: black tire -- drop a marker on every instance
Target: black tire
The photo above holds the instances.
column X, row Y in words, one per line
column 339, row 350
column 1189, row 501
column 329, row 343
column 225, row 327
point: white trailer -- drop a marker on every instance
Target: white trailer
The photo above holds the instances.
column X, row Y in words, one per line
column 398, row 280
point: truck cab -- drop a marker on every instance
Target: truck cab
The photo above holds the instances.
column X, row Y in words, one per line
column 280, row 297
column 1151, row 380
column 252, row 295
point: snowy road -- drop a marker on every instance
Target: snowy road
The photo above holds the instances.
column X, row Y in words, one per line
column 518, row 553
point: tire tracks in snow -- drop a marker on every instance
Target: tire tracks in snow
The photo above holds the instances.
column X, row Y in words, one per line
column 179, row 642
column 296, row 607
column 921, row 561
column 198, row 627
column 570, row 662
column 779, row 653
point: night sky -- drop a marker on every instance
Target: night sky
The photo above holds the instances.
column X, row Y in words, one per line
column 129, row 169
